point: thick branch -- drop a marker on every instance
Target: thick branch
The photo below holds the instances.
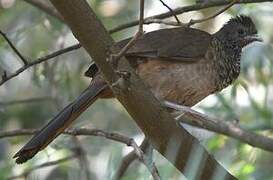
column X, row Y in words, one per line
column 146, row 110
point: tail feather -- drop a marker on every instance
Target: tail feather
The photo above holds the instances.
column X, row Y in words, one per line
column 59, row 123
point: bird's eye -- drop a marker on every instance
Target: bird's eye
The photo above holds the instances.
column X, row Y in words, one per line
column 241, row 32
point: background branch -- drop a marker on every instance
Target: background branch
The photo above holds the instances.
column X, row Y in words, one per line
column 152, row 19
column 129, row 158
column 24, row 60
column 79, row 151
column 171, row 10
column 47, row 7
column 182, row 10
column 47, row 164
column 190, row 117
column 38, row 61
column 24, row 101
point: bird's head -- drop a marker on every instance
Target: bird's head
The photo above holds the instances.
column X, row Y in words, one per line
column 240, row 30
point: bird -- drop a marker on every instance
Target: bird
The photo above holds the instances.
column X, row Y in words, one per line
column 181, row 65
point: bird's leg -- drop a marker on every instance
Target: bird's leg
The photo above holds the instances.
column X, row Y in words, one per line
column 122, row 84
column 179, row 108
column 200, row 133
column 112, row 58
column 178, row 112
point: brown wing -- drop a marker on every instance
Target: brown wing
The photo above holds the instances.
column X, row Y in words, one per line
column 182, row 44
column 179, row 44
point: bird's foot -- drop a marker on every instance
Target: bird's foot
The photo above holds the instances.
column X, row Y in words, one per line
column 112, row 58
column 122, row 84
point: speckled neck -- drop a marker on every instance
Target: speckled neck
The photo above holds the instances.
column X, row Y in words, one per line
column 227, row 62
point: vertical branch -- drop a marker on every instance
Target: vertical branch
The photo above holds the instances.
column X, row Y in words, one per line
column 137, row 35
column 141, row 16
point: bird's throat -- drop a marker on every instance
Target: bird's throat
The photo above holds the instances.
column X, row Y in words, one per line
column 227, row 64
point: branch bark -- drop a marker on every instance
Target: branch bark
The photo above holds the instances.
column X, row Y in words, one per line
column 176, row 144
column 195, row 118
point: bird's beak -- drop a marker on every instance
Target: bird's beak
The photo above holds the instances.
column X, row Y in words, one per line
column 249, row 39
column 253, row 38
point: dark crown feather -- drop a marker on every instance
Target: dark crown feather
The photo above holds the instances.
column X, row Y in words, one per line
column 243, row 20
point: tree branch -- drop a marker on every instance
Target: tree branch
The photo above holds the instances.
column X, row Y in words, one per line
column 38, row 61
column 194, row 118
column 50, row 163
column 151, row 117
column 87, row 132
column 182, row 10
column 171, row 11
column 129, row 158
column 23, row 101
column 193, row 21
column 152, row 19
column 24, row 60
column 46, row 7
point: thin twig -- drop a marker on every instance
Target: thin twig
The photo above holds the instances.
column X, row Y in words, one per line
column 141, row 156
column 190, row 117
column 192, row 21
column 141, row 16
column 50, row 163
column 93, row 132
column 23, row 59
column 46, row 7
column 24, row 101
column 129, row 158
column 136, row 36
column 171, row 10
column 38, row 61
column 125, row 140
column 177, row 11
column 182, row 10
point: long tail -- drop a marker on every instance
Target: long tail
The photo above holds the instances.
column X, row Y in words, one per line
column 60, row 122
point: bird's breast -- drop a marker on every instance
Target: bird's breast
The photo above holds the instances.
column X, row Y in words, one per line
column 182, row 83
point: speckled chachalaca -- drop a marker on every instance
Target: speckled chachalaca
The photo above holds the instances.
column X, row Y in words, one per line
column 181, row 65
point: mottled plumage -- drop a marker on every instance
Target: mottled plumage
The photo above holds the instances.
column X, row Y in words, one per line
column 185, row 65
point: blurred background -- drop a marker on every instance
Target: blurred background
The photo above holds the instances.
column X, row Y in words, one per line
column 35, row 96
